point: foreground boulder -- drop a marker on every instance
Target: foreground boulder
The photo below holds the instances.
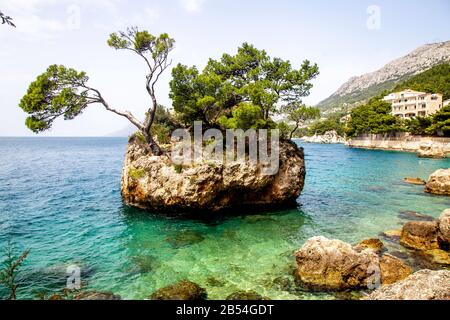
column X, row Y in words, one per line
column 439, row 183
column 155, row 183
column 420, row 235
column 430, row 239
column 422, row 285
column 336, row 265
column 183, row 290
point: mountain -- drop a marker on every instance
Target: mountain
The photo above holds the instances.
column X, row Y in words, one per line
column 124, row 132
column 359, row 89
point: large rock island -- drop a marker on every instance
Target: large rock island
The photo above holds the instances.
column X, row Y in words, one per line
column 155, row 183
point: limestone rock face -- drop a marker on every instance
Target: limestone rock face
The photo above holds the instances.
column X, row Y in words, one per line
column 428, row 150
column 183, row 290
column 439, row 183
column 420, row 235
column 422, row 285
column 155, row 183
column 444, row 227
column 329, row 137
column 336, row 265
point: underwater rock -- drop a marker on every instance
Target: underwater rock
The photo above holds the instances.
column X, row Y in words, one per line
column 185, row 239
column 283, row 284
column 422, row 285
column 95, row 295
column 374, row 244
column 414, row 216
column 420, row 235
column 213, row 282
column 245, row 295
column 154, row 183
column 415, row 181
column 145, row 263
column 439, row 183
column 183, row 290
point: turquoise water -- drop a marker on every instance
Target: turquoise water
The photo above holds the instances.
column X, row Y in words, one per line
column 61, row 199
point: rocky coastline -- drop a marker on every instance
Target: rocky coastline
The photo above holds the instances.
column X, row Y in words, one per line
column 425, row 147
column 329, row 137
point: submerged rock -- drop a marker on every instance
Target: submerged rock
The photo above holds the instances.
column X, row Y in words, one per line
column 246, row 295
column 415, row 181
column 422, row 285
column 95, row 295
column 439, row 183
column 155, row 183
column 420, row 235
column 336, row 265
column 183, row 290
column 414, row 216
column 436, row 256
column 184, row 239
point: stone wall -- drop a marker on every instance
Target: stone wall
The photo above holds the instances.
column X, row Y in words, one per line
column 400, row 142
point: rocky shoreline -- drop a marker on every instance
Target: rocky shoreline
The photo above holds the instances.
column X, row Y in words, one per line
column 329, row 137
column 425, row 147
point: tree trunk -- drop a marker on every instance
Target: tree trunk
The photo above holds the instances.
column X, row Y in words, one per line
column 156, row 149
column 293, row 131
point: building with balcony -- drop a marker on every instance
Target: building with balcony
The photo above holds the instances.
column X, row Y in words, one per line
column 411, row 104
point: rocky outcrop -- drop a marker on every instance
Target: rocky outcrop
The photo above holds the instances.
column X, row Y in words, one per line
column 439, row 183
column 329, row 137
column 430, row 239
column 415, row 181
column 155, row 183
column 183, row 290
column 406, row 142
column 430, row 150
column 422, row 285
column 336, row 265
column 420, row 235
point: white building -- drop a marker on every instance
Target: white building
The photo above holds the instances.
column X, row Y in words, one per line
column 411, row 104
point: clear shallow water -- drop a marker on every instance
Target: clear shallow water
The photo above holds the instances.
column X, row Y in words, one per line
column 61, row 198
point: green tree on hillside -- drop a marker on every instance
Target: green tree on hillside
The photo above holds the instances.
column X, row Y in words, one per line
column 434, row 80
column 250, row 76
column 64, row 92
column 374, row 117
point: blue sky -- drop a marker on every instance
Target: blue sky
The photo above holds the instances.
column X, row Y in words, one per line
column 345, row 38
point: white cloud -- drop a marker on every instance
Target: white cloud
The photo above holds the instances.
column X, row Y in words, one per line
column 192, row 5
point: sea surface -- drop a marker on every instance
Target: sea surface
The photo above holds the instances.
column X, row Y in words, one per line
column 60, row 198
